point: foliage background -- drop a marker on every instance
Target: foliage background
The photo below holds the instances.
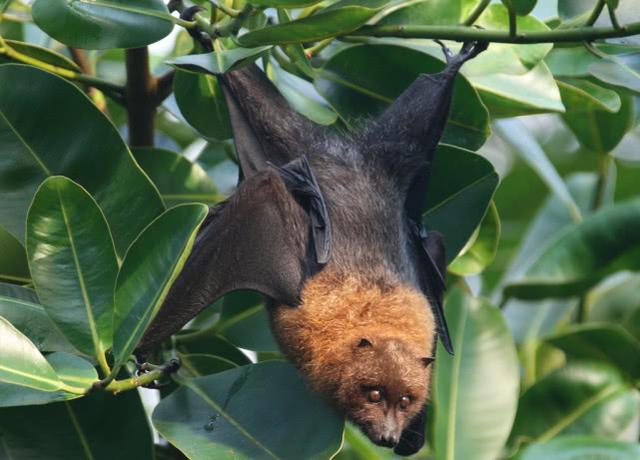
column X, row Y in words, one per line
column 535, row 186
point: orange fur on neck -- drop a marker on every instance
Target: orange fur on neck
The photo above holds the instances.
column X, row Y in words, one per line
column 321, row 335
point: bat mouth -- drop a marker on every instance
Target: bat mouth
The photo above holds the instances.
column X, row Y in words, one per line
column 377, row 438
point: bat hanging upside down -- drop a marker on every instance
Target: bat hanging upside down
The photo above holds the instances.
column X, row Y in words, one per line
column 328, row 227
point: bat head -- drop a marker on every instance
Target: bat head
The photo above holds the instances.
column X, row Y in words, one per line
column 389, row 389
column 365, row 347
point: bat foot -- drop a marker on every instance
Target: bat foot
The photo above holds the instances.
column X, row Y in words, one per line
column 188, row 15
column 448, row 54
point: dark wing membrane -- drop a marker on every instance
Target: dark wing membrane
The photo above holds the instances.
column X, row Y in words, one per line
column 433, row 268
column 258, row 239
column 265, row 128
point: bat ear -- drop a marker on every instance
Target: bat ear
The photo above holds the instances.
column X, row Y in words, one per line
column 265, row 128
column 364, row 343
column 412, row 438
column 409, row 130
column 426, row 361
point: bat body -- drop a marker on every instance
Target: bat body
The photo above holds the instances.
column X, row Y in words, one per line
column 328, row 228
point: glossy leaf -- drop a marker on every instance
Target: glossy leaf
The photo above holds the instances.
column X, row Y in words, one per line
column 300, row 94
column 341, row 17
column 218, row 62
column 73, row 263
column 481, row 249
column 360, row 81
column 13, row 259
column 71, row 370
column 202, row 104
column 600, row 245
column 22, row 364
column 475, row 390
column 617, row 74
column 523, row 7
column 580, row 398
column 104, row 23
column 32, row 320
column 37, row 143
column 459, row 191
column 284, row 3
column 512, row 95
column 89, row 428
column 151, row 265
column 247, row 413
column 245, row 323
column 41, row 54
column 588, row 95
column 596, row 129
column 178, row 179
column 212, row 344
column 497, row 17
column 199, row 364
column 580, row 448
column 601, row 342
column 15, row 291
column 526, row 146
column 616, row 301
column 427, row 12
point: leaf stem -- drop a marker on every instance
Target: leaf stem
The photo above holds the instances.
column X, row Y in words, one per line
column 118, row 386
column 604, row 164
column 476, row 13
column 225, row 9
column 73, row 390
column 613, row 17
column 513, row 21
column 462, row 33
column 595, row 14
column 104, row 365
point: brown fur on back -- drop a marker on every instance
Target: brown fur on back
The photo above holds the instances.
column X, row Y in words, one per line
column 321, row 337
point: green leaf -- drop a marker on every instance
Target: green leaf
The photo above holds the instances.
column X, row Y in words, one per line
column 201, row 102
column 589, row 96
column 284, row 3
column 528, row 148
column 512, row 95
column 150, row 266
column 616, row 73
column 99, row 426
column 101, row 24
column 218, row 62
column 601, row 342
column 22, row 364
column 41, row 54
column 616, row 301
column 426, row 12
column 458, row 195
column 581, row 448
column 13, row 259
column 596, row 129
column 360, row 81
column 476, row 390
column 37, row 143
column 496, row 17
column 245, row 323
column 211, row 344
column 223, row 416
column 580, row 398
column 523, row 7
column 178, row 179
column 18, row 292
column 199, row 364
column 298, row 93
column 600, row 245
column 73, row 263
column 32, row 320
column 341, row 17
column 481, row 249
column 72, row 370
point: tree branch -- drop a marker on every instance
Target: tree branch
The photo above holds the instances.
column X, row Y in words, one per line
column 462, row 33
column 141, row 90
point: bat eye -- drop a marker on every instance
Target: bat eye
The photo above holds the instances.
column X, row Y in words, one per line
column 405, row 401
column 375, row 396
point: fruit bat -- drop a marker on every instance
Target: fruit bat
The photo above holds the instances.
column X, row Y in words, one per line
column 328, row 227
